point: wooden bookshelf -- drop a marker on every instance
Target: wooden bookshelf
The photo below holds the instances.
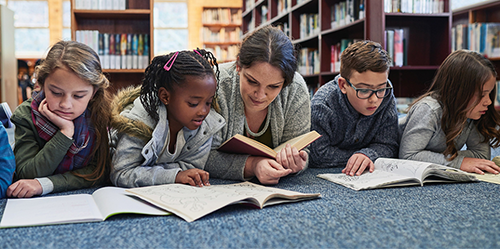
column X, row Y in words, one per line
column 428, row 37
column 221, row 31
column 484, row 12
column 136, row 19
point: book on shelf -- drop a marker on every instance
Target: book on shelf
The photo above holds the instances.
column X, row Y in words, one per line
column 117, row 51
column 414, row 6
column 398, row 47
column 221, row 35
column 191, row 203
column 309, row 25
column 284, row 27
column 102, row 204
column 264, row 14
column 221, row 16
column 389, row 41
column 284, row 6
column 395, row 46
column 345, row 12
column 483, row 38
column 100, row 4
column 336, row 51
column 240, row 144
column 391, row 172
column 308, row 61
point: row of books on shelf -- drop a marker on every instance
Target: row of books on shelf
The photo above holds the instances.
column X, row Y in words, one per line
column 284, row 6
column 100, row 4
column 118, row 51
column 309, row 25
column 221, row 35
column 264, row 14
column 414, row 6
column 224, row 53
column 343, row 13
column 308, row 61
column 284, row 27
column 395, row 46
column 335, row 52
column 221, row 16
column 481, row 37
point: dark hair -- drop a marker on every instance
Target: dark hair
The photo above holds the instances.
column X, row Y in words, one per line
column 271, row 45
column 363, row 56
column 84, row 62
column 188, row 62
column 460, row 77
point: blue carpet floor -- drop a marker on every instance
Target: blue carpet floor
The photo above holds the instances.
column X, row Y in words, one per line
column 434, row 216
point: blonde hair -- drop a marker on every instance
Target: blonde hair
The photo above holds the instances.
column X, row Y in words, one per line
column 84, row 62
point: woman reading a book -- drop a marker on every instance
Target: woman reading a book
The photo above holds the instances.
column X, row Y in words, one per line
column 456, row 111
column 262, row 97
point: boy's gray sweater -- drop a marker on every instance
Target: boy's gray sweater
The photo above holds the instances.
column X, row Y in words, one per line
column 346, row 132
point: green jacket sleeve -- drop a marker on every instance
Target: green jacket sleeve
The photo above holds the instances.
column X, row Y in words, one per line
column 36, row 157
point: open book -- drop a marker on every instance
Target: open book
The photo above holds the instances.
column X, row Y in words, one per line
column 77, row 208
column 191, row 203
column 397, row 172
column 240, row 144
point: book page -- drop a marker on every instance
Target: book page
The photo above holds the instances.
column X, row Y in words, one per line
column 50, row 210
column 113, row 200
column 402, row 167
column 487, row 177
column 191, row 203
column 377, row 179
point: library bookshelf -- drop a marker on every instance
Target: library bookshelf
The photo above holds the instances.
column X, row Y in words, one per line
column 484, row 12
column 221, row 31
column 135, row 18
column 427, row 36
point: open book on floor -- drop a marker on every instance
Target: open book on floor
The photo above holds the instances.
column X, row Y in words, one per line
column 78, row 208
column 397, row 172
column 191, row 203
column 239, row 144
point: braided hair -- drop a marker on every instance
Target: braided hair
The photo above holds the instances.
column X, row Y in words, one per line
column 198, row 63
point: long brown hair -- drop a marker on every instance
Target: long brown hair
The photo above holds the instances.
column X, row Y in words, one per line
column 460, row 77
column 84, row 62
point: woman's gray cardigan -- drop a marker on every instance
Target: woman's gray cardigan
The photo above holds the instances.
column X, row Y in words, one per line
column 290, row 117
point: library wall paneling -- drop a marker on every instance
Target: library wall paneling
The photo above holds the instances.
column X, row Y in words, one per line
column 136, row 18
column 426, row 32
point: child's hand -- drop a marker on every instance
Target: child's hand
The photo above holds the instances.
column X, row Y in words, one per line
column 193, row 177
column 479, row 166
column 290, row 158
column 66, row 126
column 25, row 188
column 358, row 162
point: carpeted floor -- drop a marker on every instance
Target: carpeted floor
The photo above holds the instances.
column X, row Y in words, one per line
column 434, row 216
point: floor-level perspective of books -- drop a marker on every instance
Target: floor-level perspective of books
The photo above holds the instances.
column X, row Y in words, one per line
column 191, row 203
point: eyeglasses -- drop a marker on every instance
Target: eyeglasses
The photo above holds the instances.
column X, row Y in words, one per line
column 364, row 93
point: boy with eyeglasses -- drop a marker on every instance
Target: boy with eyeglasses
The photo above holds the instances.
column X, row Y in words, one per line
column 356, row 112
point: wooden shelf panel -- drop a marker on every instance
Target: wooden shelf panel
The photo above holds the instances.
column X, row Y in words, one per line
column 417, row 15
column 113, row 14
column 222, row 25
column 137, row 19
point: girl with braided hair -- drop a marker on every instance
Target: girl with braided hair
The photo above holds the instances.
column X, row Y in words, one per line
column 162, row 131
